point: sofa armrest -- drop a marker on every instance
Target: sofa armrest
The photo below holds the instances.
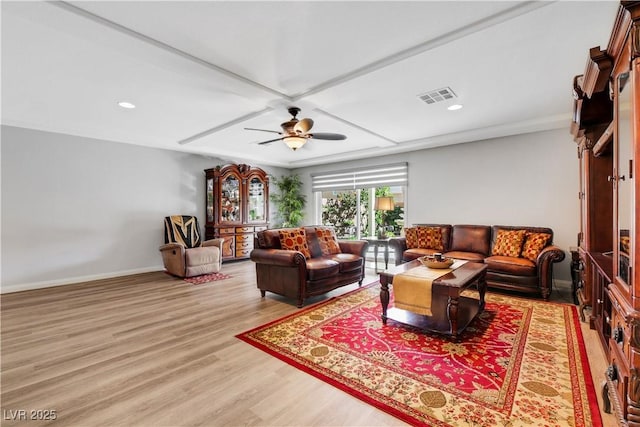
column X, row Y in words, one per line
column 168, row 247
column 213, row 242
column 173, row 258
column 549, row 255
column 281, row 257
column 356, row 247
column 399, row 245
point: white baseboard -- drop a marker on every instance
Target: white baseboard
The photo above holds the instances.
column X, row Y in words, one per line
column 78, row 279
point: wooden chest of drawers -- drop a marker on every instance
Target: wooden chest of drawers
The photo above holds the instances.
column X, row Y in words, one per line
column 238, row 241
column 244, row 241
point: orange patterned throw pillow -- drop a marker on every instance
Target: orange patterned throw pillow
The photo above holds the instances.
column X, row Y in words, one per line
column 294, row 240
column 328, row 241
column 509, row 242
column 411, row 234
column 534, row 244
column 430, row 238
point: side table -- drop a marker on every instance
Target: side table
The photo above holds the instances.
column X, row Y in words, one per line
column 376, row 242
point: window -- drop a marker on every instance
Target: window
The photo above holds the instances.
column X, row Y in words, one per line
column 346, row 200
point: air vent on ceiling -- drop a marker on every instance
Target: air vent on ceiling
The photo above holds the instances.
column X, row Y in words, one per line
column 437, row 95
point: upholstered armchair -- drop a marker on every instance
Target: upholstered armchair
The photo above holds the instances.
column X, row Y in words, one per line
column 184, row 253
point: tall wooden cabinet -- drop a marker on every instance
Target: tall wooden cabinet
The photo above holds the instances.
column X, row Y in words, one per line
column 592, row 131
column 606, row 127
column 237, row 206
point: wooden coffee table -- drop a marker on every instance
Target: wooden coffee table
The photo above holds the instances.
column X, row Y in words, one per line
column 451, row 312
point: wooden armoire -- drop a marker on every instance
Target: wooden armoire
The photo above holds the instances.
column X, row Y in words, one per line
column 237, row 206
column 606, row 127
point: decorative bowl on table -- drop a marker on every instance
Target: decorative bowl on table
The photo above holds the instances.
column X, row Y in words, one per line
column 431, row 262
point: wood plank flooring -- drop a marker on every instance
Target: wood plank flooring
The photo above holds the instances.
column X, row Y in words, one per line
column 153, row 350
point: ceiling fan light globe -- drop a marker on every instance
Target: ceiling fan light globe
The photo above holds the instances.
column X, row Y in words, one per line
column 294, row 142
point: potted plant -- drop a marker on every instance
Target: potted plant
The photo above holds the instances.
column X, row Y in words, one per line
column 289, row 200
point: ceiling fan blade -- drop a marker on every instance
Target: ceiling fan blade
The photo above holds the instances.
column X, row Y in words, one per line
column 269, row 141
column 265, row 130
column 328, row 136
column 303, row 126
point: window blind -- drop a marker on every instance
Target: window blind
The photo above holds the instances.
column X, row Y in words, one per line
column 366, row 177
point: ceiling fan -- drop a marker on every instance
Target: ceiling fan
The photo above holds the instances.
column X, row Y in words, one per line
column 295, row 133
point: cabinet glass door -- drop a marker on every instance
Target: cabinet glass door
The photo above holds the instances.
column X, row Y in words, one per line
column 257, row 201
column 582, row 152
column 230, row 199
column 624, row 178
column 210, row 200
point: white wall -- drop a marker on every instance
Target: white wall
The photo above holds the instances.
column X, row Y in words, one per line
column 76, row 209
column 529, row 179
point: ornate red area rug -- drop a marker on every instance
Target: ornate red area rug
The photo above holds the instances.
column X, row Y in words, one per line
column 520, row 363
column 206, row 278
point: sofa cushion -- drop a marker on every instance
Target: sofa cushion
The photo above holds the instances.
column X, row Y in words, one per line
column 511, row 265
column 294, row 239
column 268, row 239
column 468, row 256
column 445, row 229
column 411, row 254
column 471, row 238
column 411, row 235
column 347, row 262
column 322, row 268
column 312, row 242
column 534, row 244
column 509, row 243
column 202, row 256
column 430, row 238
column 327, row 240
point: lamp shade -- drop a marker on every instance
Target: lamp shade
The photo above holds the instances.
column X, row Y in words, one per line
column 295, row 142
column 384, row 204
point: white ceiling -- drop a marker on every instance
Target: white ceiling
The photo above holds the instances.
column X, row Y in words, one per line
column 200, row 72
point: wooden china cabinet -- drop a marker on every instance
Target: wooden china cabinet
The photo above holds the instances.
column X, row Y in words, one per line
column 606, row 127
column 237, row 206
column 593, row 114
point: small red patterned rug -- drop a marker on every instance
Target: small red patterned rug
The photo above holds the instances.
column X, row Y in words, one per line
column 206, row 278
column 520, row 363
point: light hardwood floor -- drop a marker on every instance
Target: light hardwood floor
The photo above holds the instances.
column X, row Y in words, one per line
column 153, row 350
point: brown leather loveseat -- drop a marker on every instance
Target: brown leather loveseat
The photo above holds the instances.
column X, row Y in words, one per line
column 518, row 258
column 328, row 264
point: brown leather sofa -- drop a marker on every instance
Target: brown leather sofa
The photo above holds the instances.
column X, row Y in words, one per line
column 289, row 273
column 475, row 243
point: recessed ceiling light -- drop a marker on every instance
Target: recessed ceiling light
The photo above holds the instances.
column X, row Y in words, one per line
column 125, row 104
column 454, row 107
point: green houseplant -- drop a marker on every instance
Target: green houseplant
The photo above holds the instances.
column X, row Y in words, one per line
column 289, row 200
